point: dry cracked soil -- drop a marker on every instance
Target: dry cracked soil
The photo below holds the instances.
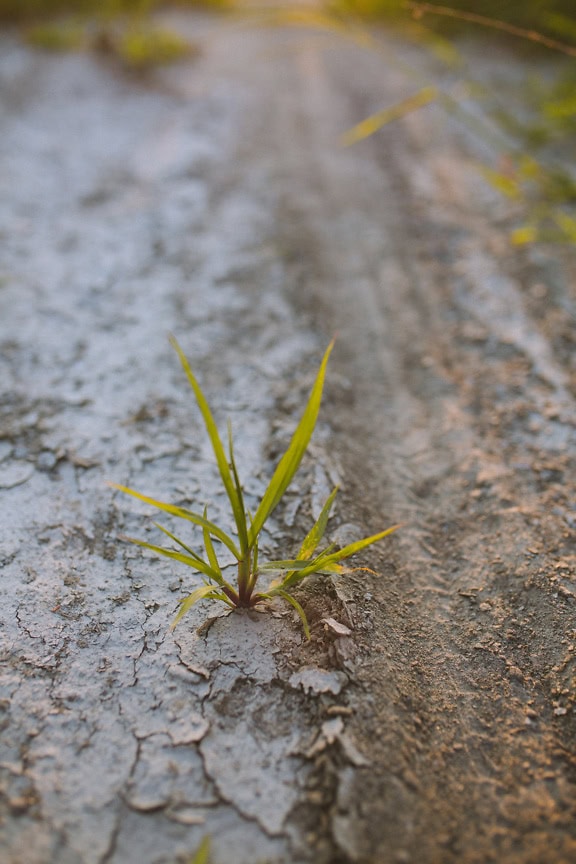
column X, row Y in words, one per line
column 213, row 199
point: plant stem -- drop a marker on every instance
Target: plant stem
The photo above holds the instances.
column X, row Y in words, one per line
column 244, row 581
column 231, row 594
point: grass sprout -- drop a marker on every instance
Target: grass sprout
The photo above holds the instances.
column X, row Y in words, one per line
column 286, row 574
column 202, row 854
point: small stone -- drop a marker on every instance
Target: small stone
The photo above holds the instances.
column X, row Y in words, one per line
column 337, row 627
column 14, row 474
column 339, row 711
column 316, row 680
column 46, row 461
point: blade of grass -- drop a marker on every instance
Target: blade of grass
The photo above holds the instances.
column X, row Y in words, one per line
column 287, row 564
column 293, row 602
column 235, row 475
column 178, row 541
column 326, row 560
column 210, row 551
column 202, row 593
column 314, row 536
column 291, row 459
column 202, row 854
column 223, row 467
column 255, row 551
column 217, row 573
column 372, row 124
column 184, row 513
column 196, row 563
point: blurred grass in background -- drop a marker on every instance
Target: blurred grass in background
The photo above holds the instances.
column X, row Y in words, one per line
column 123, row 29
column 554, row 18
column 23, row 10
column 529, row 122
column 534, row 169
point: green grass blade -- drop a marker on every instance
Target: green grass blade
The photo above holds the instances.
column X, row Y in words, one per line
column 178, row 541
column 216, row 574
column 255, row 554
column 293, row 602
column 326, row 560
column 184, row 513
column 291, row 459
column 374, row 122
column 314, row 537
column 196, row 563
column 213, row 434
column 210, row 551
column 353, row 548
column 235, row 475
column 202, row 593
column 287, row 564
column 202, row 854
column 254, row 565
column 297, row 563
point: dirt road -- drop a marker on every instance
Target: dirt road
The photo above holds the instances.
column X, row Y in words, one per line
column 213, row 200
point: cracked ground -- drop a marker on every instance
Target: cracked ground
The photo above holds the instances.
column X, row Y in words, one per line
column 431, row 716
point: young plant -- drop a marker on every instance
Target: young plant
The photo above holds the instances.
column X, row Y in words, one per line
column 244, row 545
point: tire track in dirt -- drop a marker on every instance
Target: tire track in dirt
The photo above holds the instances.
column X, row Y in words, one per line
column 458, row 417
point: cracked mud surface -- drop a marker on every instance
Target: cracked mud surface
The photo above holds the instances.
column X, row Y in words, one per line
column 213, row 201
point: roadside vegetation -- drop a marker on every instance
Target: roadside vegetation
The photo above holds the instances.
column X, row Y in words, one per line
column 122, row 29
column 22, row 10
column 534, row 169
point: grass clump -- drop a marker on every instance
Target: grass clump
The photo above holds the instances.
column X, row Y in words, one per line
column 144, row 45
column 57, row 37
column 138, row 43
column 288, row 573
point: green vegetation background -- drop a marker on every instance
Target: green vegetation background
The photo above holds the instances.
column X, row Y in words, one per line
column 555, row 18
column 534, row 170
column 18, row 10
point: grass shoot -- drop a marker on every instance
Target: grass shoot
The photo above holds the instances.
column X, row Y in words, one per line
column 288, row 574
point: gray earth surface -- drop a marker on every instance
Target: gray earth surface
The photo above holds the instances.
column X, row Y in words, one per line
column 430, row 719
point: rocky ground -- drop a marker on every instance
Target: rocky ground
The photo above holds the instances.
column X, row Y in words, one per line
column 213, row 200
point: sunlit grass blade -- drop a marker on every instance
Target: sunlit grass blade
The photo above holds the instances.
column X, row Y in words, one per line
column 353, row 548
column 314, row 537
column 255, row 554
column 216, row 574
column 179, row 542
column 293, row 602
column 324, row 563
column 291, row 459
column 294, row 563
column 183, row 513
column 213, row 434
column 202, row 593
column 236, row 477
column 202, row 854
column 374, row 122
column 286, row 564
column 196, row 563
column 210, row 551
